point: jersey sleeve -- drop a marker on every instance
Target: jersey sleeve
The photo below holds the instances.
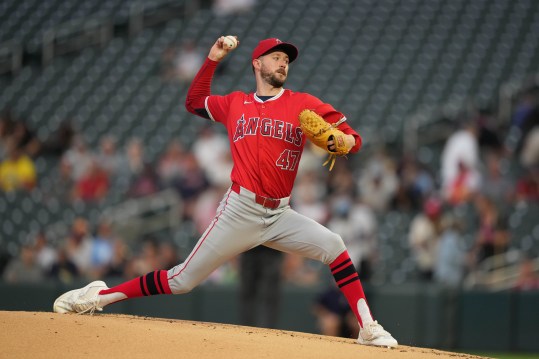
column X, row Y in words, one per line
column 331, row 115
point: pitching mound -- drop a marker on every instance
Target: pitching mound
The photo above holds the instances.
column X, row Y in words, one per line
column 50, row 335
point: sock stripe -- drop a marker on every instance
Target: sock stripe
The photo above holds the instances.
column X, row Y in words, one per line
column 158, row 275
column 341, row 265
column 356, row 278
column 142, row 286
column 345, row 272
column 150, row 283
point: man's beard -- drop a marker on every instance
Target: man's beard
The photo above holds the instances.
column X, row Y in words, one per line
column 271, row 78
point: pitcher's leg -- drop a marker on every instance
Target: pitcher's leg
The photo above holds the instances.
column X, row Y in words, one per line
column 298, row 234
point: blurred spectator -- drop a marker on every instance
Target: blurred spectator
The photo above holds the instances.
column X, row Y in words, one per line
column 78, row 158
column 527, row 186
column 300, row 271
column 357, row 225
column 529, row 157
column 205, row 207
column 334, row 316
column 6, row 128
column 424, row 237
column 487, row 131
column 78, row 246
column 147, row 260
column 463, row 186
column 144, row 183
column 168, row 255
column 119, row 261
column 136, row 161
column 93, row 185
column 64, row 270
column 260, row 287
column 528, row 277
column 307, row 197
column 17, row 170
column 172, row 164
column 192, row 183
column 16, row 132
column 102, row 249
column 497, row 183
column 415, row 184
column 24, row 268
column 59, row 141
column 181, row 64
column 460, row 157
column 45, row 254
column 493, row 235
column 108, row 157
column 378, row 182
column 525, row 121
column 450, row 262
column 60, row 187
column 341, row 181
column 232, row 7
column 212, row 152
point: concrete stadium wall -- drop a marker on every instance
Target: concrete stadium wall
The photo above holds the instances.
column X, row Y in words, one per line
column 418, row 315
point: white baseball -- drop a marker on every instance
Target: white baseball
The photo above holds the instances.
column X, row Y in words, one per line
column 230, row 42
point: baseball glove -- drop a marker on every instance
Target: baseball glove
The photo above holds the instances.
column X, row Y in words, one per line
column 319, row 131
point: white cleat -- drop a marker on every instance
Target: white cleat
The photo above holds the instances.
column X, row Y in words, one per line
column 373, row 333
column 82, row 300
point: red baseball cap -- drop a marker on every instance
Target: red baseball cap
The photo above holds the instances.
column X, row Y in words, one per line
column 267, row 45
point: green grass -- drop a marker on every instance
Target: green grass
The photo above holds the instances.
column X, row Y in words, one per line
column 509, row 355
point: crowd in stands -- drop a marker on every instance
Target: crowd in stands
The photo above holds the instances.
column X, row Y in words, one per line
column 476, row 171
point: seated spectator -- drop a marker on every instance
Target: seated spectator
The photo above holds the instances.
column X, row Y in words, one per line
column 78, row 157
column 378, row 182
column 334, row 316
column 357, row 225
column 497, row 184
column 451, row 257
column 108, row 157
column 24, row 268
column 300, row 271
column 493, row 235
column 415, row 184
column 92, row 186
column 17, row 170
column 463, row 186
column 171, row 166
column 45, row 253
column 212, row 152
column 424, row 237
column 63, row 269
column 102, row 249
column 78, row 246
column 527, row 186
column 144, row 183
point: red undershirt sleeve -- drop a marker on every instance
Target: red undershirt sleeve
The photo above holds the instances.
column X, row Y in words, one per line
column 200, row 89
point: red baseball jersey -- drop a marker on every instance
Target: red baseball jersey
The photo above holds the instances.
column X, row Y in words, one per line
column 266, row 141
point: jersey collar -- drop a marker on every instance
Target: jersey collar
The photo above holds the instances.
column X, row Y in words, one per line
column 257, row 99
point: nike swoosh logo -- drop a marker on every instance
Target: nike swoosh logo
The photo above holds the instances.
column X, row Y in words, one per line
column 246, row 102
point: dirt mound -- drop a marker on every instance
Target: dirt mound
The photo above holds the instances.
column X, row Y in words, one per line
column 50, row 335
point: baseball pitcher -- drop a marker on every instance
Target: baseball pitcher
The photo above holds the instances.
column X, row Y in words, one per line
column 267, row 130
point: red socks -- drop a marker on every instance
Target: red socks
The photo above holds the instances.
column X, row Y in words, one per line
column 152, row 283
column 347, row 279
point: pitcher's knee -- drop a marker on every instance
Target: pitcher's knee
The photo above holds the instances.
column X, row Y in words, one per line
column 178, row 286
column 333, row 248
